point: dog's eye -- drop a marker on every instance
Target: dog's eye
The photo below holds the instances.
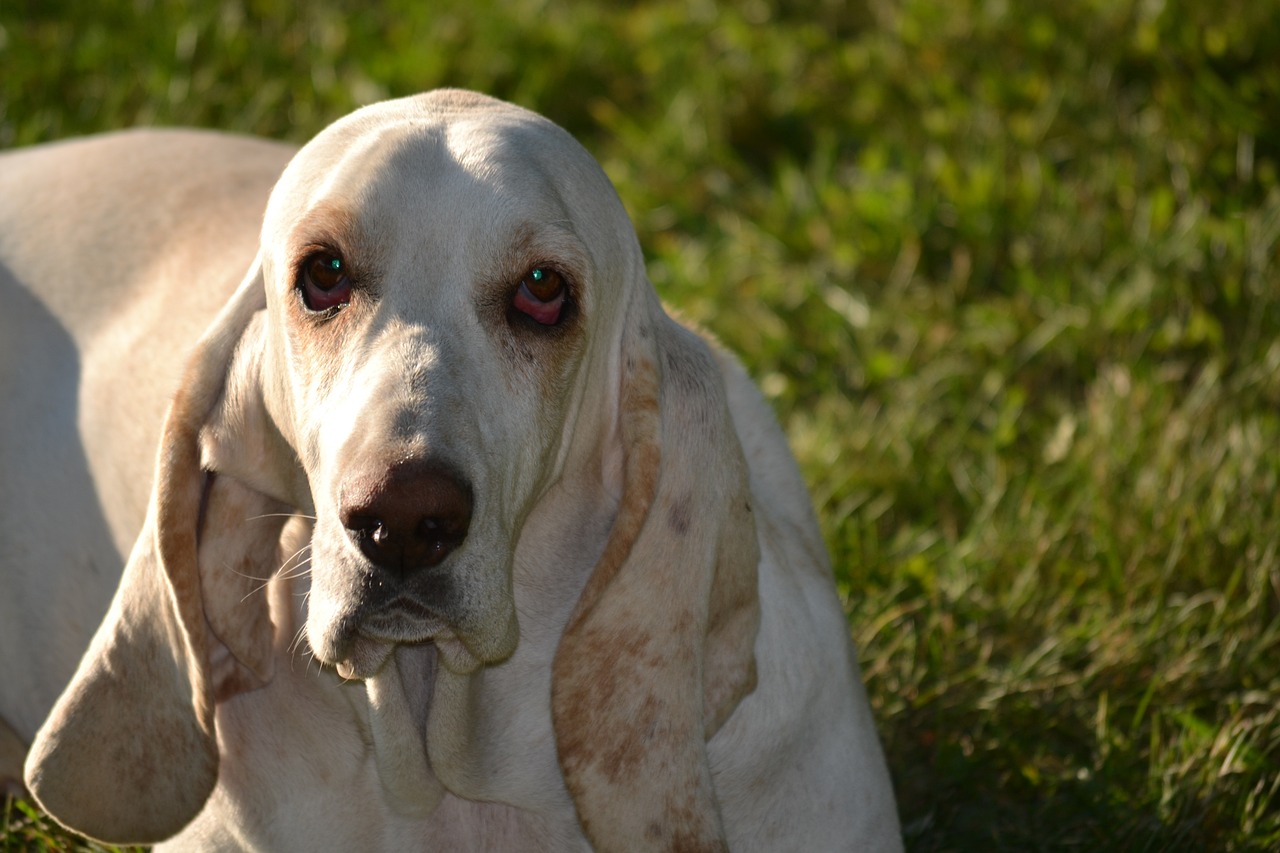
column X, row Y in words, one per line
column 541, row 295
column 324, row 282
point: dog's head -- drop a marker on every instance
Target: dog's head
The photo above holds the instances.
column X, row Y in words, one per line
column 436, row 271
column 447, row 316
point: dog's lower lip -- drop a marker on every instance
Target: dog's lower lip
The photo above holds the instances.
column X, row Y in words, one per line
column 365, row 657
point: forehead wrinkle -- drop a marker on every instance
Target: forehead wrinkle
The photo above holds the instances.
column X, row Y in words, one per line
column 376, row 174
column 443, row 171
column 526, row 222
column 450, row 202
column 509, row 157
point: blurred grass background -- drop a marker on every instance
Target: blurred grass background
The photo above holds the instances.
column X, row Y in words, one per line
column 1007, row 271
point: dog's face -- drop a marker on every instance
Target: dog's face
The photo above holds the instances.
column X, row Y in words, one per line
column 435, row 277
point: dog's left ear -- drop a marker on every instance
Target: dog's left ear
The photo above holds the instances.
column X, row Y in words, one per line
column 660, row 648
column 129, row 753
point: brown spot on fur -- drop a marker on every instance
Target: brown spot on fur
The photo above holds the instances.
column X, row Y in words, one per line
column 623, row 667
column 679, row 516
column 688, row 843
column 623, row 756
column 457, row 100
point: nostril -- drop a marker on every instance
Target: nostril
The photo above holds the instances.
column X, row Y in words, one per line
column 442, row 527
column 373, row 529
column 373, row 537
column 439, row 536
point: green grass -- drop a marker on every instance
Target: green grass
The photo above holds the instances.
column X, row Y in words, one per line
column 1008, row 272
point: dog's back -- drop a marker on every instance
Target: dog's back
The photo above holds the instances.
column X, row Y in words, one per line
column 95, row 324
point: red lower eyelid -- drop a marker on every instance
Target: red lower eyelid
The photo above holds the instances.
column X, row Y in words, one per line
column 546, row 313
column 322, row 300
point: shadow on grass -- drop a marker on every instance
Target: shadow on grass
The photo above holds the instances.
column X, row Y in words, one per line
column 958, row 795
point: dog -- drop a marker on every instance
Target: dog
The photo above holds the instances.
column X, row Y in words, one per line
column 443, row 535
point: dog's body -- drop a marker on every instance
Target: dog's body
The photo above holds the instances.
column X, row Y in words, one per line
column 620, row 630
column 100, row 315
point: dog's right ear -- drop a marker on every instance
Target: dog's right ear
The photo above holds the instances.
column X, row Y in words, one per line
column 660, row 648
column 129, row 753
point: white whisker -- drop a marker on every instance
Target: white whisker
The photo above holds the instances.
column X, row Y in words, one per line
column 285, row 569
column 301, row 570
column 249, row 576
column 281, row 515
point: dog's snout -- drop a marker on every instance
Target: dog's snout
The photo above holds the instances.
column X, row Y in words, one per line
column 411, row 517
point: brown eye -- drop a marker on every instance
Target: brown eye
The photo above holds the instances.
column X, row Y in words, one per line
column 324, row 282
column 544, row 284
column 541, row 296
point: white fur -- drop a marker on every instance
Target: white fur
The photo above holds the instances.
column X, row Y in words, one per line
column 118, row 251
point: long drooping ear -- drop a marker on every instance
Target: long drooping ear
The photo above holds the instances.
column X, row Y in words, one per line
column 659, row 650
column 129, row 753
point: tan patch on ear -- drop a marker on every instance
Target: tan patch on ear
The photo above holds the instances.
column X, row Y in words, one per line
column 729, row 664
column 179, row 487
column 641, row 425
column 659, row 649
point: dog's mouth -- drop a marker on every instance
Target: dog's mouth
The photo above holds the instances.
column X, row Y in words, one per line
column 358, row 613
column 372, row 636
column 404, row 619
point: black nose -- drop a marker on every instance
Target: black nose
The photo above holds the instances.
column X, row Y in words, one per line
column 407, row 517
